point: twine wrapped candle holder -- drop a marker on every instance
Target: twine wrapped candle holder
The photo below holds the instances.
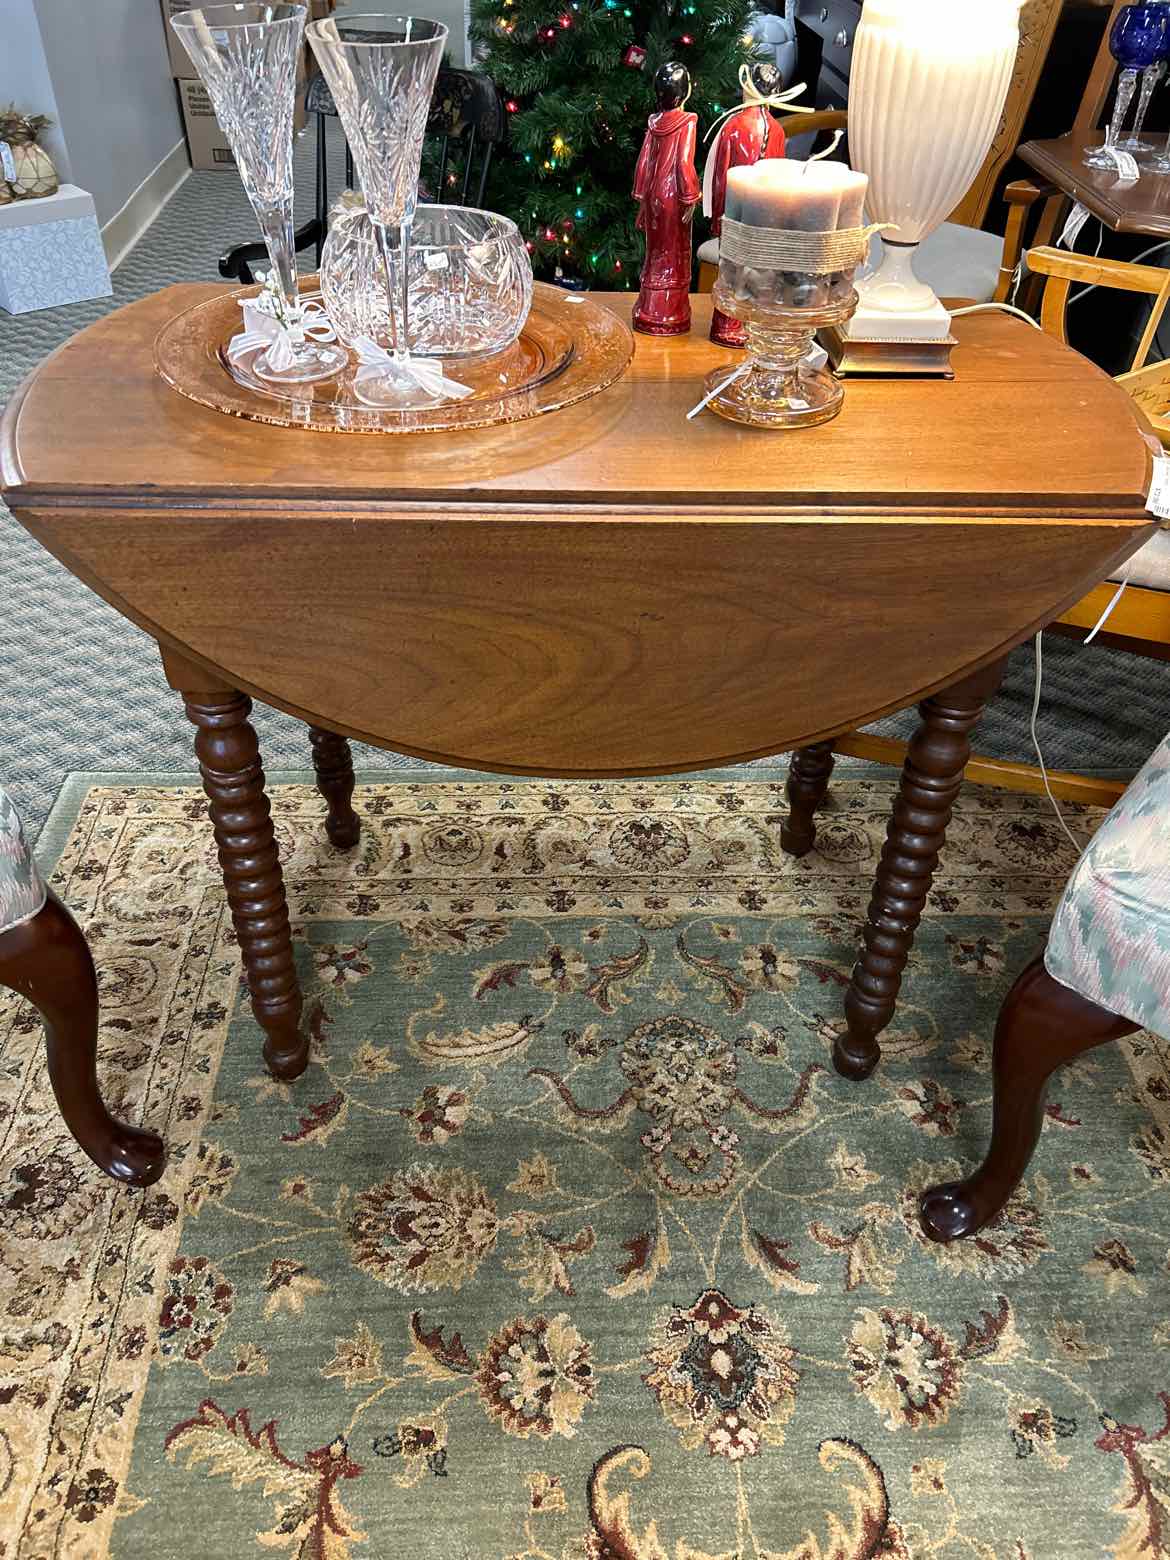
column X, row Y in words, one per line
column 785, row 286
column 791, row 240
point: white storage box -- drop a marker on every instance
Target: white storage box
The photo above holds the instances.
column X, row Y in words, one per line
column 51, row 252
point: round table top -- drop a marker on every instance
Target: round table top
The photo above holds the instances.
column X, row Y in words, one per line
column 607, row 589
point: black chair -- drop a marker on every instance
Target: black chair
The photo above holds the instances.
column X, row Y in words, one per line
column 467, row 116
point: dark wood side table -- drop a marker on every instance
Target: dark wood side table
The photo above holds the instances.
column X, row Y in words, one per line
column 609, row 590
column 1143, row 207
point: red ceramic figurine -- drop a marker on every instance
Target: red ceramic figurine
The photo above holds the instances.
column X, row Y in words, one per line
column 749, row 135
column 667, row 190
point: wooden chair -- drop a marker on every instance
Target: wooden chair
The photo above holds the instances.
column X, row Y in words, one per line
column 1140, row 622
column 1104, row 974
column 45, row 957
column 467, row 119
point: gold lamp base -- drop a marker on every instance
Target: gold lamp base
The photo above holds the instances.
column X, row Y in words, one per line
column 851, row 356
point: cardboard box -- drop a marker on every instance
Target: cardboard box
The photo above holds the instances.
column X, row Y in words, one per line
column 206, row 143
column 181, row 66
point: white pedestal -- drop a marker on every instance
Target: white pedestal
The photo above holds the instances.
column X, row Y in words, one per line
column 894, row 305
column 51, row 252
column 873, row 324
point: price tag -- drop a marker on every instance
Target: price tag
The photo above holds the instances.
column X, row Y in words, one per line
column 1077, row 218
column 1126, row 165
column 1158, row 503
column 7, row 162
column 435, row 260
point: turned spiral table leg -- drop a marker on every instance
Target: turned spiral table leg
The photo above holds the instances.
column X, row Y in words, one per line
column 931, row 779
column 333, row 765
column 809, row 771
column 233, row 778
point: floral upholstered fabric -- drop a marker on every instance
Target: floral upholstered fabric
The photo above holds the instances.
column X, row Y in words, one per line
column 1111, row 937
column 22, row 889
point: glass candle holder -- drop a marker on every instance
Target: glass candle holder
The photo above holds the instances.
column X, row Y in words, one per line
column 782, row 311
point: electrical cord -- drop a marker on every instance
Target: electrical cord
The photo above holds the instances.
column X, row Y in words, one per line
column 1002, row 308
column 1007, row 308
column 1137, row 260
column 1089, row 637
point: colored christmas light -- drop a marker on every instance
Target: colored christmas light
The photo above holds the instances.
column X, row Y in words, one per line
column 592, row 90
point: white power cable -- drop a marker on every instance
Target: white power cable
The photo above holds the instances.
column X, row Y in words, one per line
column 1137, row 260
column 1002, row 308
column 1089, row 637
column 1007, row 308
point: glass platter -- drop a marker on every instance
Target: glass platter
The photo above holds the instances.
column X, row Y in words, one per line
column 569, row 348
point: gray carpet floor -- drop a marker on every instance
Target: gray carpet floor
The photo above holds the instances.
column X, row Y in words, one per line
column 81, row 689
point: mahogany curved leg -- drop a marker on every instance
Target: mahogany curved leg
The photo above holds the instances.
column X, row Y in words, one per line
column 931, row 779
column 1042, row 1025
column 229, row 762
column 809, row 771
column 333, row 766
column 47, row 960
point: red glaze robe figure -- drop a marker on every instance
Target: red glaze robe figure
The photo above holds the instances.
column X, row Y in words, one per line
column 667, row 189
column 747, row 137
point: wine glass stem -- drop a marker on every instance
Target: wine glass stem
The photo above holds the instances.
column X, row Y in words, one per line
column 1150, row 79
column 1125, row 90
column 391, row 239
column 276, row 223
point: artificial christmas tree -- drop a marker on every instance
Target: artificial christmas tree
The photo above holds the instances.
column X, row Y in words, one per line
column 577, row 78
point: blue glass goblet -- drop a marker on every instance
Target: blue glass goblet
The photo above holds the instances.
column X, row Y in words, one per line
column 1139, row 42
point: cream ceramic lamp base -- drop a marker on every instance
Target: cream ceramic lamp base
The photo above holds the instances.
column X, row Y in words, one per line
column 928, row 84
column 894, row 304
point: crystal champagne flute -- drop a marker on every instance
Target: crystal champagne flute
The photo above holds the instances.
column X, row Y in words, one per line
column 247, row 57
column 381, row 70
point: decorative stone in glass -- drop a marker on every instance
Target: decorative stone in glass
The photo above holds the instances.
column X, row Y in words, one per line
column 470, row 279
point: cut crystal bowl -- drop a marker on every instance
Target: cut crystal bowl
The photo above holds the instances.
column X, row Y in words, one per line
column 470, row 279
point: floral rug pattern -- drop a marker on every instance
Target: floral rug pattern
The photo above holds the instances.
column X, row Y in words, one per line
column 570, row 1245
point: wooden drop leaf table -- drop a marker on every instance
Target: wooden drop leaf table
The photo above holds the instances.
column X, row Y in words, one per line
column 607, row 590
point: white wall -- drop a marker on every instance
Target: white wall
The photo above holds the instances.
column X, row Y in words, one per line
column 454, row 15
column 115, row 99
column 24, row 75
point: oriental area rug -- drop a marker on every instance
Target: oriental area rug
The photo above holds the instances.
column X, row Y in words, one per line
column 570, row 1245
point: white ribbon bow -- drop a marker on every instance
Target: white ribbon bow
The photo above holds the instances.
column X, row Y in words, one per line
column 262, row 329
column 373, row 361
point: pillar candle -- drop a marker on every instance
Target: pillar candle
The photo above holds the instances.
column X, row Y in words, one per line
column 805, row 197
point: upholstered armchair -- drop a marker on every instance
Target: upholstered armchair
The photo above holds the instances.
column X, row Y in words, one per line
column 45, row 957
column 1104, row 974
